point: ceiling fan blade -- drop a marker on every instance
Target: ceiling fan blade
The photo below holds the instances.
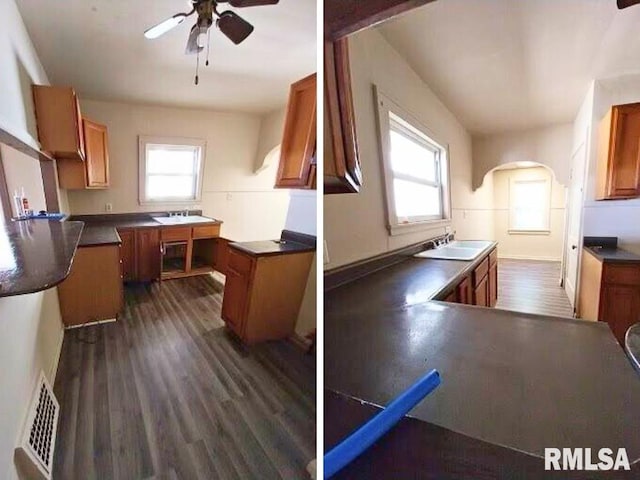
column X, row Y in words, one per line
column 193, row 46
column 234, row 27
column 166, row 25
column 251, row 3
column 627, row 3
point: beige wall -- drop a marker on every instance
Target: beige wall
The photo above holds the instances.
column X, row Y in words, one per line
column 246, row 202
column 30, row 326
column 23, row 171
column 535, row 247
column 271, row 129
column 550, row 145
column 355, row 224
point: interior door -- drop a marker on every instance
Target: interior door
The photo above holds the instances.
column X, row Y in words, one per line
column 574, row 226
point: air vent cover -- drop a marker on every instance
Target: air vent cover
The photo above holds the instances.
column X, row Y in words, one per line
column 35, row 452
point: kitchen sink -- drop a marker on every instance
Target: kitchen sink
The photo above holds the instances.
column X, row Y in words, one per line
column 456, row 250
column 178, row 219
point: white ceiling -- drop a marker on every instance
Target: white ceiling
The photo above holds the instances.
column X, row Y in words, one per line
column 504, row 65
column 98, row 47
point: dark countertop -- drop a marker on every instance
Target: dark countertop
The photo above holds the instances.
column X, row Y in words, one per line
column 135, row 220
column 271, row 247
column 613, row 255
column 36, row 254
column 289, row 242
column 522, row 381
column 632, row 345
column 93, row 235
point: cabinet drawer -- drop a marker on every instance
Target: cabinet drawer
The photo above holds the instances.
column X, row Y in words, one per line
column 207, row 231
column 622, row 274
column 239, row 262
column 480, row 272
column 175, row 233
column 493, row 257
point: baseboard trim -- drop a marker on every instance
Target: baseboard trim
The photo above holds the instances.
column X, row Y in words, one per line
column 71, row 327
column 528, row 257
column 299, row 342
column 54, row 367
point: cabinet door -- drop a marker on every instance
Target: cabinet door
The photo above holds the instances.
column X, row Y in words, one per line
column 59, row 121
column 148, row 256
column 221, row 255
column 128, row 254
column 493, row 285
column 481, row 293
column 618, row 174
column 97, row 153
column 234, row 303
column 620, row 308
column 342, row 172
column 465, row 295
column 297, row 151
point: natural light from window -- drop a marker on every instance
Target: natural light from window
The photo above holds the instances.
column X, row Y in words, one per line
column 170, row 172
column 529, row 204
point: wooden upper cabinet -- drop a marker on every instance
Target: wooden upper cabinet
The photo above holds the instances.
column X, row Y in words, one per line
column 94, row 172
column 59, row 121
column 342, row 172
column 618, row 174
column 97, row 151
column 298, row 150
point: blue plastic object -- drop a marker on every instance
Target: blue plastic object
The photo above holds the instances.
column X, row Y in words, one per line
column 360, row 440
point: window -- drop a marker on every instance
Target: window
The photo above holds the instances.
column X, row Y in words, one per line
column 529, row 205
column 415, row 171
column 170, row 170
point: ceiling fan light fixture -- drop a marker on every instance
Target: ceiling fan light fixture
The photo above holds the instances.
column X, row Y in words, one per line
column 164, row 27
column 236, row 28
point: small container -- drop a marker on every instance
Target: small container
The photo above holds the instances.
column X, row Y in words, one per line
column 17, row 200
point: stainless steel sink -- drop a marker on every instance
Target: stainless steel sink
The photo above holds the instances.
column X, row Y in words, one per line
column 456, row 250
column 178, row 219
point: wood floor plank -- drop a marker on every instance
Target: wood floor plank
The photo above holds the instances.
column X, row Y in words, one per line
column 533, row 287
column 166, row 392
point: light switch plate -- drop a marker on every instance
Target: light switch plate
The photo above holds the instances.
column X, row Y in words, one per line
column 108, row 207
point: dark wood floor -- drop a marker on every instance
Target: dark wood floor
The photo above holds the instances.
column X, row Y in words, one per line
column 167, row 392
column 532, row 287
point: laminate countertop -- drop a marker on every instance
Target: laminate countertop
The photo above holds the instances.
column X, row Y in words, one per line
column 36, row 254
column 289, row 242
column 613, row 255
column 95, row 235
column 521, row 381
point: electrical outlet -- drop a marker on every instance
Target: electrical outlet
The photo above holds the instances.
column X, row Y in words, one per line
column 108, row 207
column 229, row 197
column 447, row 229
column 326, row 253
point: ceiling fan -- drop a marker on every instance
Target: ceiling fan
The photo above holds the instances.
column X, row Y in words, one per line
column 236, row 28
column 627, row 3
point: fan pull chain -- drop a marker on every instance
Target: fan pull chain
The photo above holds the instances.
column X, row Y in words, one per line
column 197, row 66
column 208, row 46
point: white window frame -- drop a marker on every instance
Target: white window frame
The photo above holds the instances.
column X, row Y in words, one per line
column 143, row 141
column 410, row 126
column 546, row 207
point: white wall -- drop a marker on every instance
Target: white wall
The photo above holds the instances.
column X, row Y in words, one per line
column 302, row 217
column 247, row 203
column 355, row 224
column 619, row 218
column 526, row 246
column 30, row 325
column 550, row 146
column 271, row 130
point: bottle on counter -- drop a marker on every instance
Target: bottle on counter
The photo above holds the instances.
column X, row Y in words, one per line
column 25, row 204
column 17, row 200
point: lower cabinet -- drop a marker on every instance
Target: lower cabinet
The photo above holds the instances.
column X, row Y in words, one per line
column 128, row 254
column 481, row 286
column 148, row 255
column 93, row 290
column 609, row 292
column 263, row 294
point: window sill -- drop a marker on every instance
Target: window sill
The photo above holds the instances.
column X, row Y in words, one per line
column 160, row 203
column 405, row 228
column 529, row 232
